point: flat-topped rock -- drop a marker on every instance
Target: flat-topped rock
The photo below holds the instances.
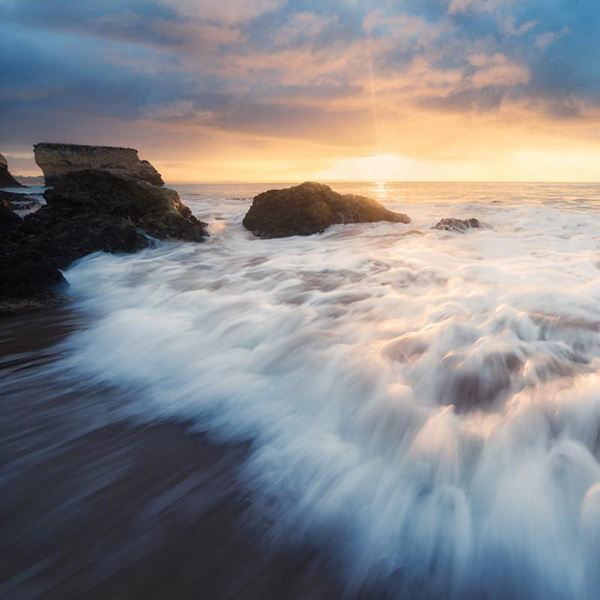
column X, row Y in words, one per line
column 58, row 160
column 311, row 208
column 6, row 179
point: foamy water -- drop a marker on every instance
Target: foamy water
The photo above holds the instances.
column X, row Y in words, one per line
column 424, row 406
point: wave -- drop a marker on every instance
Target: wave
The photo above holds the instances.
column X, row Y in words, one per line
column 423, row 408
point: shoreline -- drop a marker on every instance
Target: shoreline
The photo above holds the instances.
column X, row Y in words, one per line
column 99, row 508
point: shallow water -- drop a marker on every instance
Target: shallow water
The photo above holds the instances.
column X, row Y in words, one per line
column 424, row 406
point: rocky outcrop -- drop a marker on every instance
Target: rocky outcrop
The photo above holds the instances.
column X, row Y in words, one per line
column 91, row 211
column 6, row 179
column 85, row 212
column 58, row 160
column 311, row 208
column 460, row 225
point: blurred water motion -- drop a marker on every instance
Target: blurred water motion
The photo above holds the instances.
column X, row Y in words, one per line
column 378, row 411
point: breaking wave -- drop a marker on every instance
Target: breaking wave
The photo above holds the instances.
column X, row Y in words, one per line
column 423, row 406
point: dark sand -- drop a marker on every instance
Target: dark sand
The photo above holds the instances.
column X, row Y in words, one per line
column 95, row 507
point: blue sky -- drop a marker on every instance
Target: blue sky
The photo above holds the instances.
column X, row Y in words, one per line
column 304, row 87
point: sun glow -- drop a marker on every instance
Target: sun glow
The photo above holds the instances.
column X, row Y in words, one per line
column 381, row 167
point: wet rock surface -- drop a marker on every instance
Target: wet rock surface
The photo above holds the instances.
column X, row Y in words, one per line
column 21, row 202
column 8, row 219
column 91, row 211
column 86, row 212
column 311, row 208
column 460, row 225
column 29, row 279
column 58, row 160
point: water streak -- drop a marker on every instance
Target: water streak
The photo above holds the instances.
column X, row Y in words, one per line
column 424, row 405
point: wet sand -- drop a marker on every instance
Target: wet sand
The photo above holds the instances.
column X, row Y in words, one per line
column 95, row 507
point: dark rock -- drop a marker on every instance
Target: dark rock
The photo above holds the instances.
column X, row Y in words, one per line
column 6, row 179
column 91, row 211
column 8, row 219
column 22, row 202
column 460, row 225
column 311, row 208
column 28, row 278
column 11, row 197
column 58, row 160
column 87, row 211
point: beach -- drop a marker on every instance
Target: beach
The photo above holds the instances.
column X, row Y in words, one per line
column 380, row 409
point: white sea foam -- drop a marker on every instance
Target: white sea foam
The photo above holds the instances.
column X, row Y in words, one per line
column 423, row 404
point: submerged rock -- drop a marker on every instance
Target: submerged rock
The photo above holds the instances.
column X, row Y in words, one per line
column 459, row 224
column 6, row 179
column 311, row 208
column 58, row 160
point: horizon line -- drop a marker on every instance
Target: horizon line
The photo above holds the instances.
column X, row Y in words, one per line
column 295, row 181
column 375, row 181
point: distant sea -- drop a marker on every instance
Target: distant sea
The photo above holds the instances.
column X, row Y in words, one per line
column 421, row 407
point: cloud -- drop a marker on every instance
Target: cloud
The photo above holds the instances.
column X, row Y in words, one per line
column 297, row 71
column 497, row 71
column 225, row 12
column 303, row 27
column 461, row 6
column 543, row 40
column 179, row 110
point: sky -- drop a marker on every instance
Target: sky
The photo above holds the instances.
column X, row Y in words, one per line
column 288, row 90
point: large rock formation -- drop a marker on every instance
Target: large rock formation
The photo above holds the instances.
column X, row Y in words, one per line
column 58, row 160
column 85, row 212
column 6, row 179
column 311, row 208
column 90, row 211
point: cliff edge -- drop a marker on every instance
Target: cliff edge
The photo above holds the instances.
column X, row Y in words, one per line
column 6, row 179
column 58, row 160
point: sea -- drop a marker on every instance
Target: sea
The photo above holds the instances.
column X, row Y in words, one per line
column 419, row 407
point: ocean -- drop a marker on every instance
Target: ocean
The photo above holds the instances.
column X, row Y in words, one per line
column 419, row 408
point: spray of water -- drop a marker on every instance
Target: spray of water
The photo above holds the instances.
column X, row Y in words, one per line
column 423, row 405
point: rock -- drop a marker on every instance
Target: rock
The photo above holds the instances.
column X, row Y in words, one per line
column 85, row 212
column 311, row 208
column 28, row 278
column 6, row 179
column 91, row 211
column 460, row 225
column 11, row 197
column 21, row 203
column 57, row 160
column 8, row 219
